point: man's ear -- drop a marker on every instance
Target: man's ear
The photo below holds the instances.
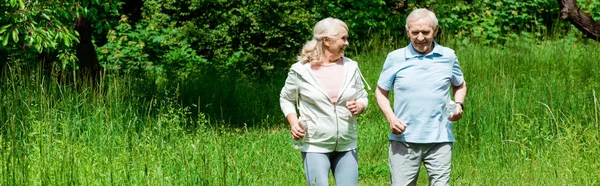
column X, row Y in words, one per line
column 435, row 31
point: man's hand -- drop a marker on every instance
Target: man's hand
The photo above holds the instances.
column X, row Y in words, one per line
column 458, row 115
column 398, row 126
column 459, row 96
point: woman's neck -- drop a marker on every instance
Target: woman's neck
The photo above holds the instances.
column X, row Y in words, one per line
column 330, row 58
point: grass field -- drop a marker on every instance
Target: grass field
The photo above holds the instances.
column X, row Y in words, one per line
column 532, row 118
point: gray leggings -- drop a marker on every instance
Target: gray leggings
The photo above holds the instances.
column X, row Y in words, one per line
column 343, row 165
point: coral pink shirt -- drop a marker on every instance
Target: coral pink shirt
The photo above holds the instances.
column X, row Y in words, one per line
column 331, row 78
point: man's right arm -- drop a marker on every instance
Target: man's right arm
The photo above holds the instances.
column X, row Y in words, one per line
column 397, row 126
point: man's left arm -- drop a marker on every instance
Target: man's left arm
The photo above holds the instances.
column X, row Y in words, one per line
column 460, row 92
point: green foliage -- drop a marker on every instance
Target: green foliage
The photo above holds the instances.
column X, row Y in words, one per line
column 490, row 22
column 252, row 38
column 496, row 22
column 592, row 7
column 36, row 25
column 176, row 38
column 28, row 28
column 364, row 18
column 249, row 38
column 256, row 39
column 102, row 13
column 155, row 49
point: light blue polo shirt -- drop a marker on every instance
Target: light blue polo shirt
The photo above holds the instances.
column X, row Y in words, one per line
column 421, row 91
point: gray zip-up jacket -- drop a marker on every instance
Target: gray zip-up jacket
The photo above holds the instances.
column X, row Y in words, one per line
column 329, row 127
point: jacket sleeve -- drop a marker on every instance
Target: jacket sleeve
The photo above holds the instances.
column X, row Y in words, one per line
column 289, row 94
column 361, row 95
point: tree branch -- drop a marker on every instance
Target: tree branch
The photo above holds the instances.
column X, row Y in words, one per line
column 583, row 21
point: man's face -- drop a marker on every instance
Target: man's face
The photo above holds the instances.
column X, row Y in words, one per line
column 421, row 33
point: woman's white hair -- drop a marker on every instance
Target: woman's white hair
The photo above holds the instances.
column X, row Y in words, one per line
column 312, row 51
column 417, row 14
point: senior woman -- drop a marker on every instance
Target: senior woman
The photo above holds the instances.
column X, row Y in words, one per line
column 327, row 90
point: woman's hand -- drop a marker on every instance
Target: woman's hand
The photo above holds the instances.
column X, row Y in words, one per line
column 355, row 107
column 297, row 131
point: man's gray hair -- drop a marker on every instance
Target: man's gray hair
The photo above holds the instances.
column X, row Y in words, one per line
column 417, row 14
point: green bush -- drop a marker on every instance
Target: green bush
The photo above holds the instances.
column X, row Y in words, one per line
column 155, row 49
column 252, row 38
column 491, row 22
column 364, row 18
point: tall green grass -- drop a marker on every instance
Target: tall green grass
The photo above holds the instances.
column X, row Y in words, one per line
column 533, row 115
column 532, row 118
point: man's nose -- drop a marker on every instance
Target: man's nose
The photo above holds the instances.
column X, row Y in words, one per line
column 420, row 37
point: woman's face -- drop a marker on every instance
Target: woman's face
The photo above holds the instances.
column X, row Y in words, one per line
column 336, row 44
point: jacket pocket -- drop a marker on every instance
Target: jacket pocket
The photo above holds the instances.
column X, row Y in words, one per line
column 348, row 129
column 321, row 129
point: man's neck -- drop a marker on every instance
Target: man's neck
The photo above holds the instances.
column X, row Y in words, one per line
column 429, row 49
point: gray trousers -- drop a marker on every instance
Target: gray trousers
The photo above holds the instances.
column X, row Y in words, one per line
column 405, row 161
column 343, row 165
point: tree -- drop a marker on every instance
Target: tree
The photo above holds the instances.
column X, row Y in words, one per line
column 34, row 31
column 86, row 53
column 582, row 20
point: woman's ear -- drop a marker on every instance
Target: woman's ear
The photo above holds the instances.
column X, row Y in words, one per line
column 326, row 40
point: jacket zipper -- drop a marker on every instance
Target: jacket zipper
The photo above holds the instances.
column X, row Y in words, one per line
column 337, row 120
column 337, row 127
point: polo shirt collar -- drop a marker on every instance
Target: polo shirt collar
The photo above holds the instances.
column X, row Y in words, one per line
column 437, row 51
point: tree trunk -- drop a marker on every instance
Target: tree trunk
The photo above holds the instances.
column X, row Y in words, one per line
column 583, row 21
column 89, row 69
